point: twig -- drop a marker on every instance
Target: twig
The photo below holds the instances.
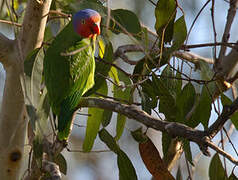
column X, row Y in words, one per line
column 186, row 47
column 188, row 169
column 214, row 30
column 120, row 52
column 190, row 29
column 117, row 99
column 10, row 22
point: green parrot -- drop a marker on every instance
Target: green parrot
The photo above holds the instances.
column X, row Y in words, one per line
column 69, row 67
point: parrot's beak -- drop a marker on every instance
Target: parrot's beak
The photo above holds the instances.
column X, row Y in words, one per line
column 96, row 28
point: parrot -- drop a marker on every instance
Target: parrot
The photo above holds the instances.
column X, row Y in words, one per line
column 69, row 67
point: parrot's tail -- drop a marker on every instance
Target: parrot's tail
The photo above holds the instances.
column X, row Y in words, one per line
column 65, row 125
column 65, row 119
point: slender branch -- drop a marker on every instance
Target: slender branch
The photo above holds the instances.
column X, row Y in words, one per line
column 120, row 52
column 186, row 47
column 191, row 57
column 10, row 22
column 188, row 56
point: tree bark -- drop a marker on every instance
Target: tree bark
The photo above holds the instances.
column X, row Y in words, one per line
column 13, row 119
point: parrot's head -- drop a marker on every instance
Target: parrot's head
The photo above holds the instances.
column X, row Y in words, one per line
column 87, row 23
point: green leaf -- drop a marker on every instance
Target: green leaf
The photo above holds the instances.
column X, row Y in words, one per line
column 127, row 19
column 148, row 96
column 114, row 75
column 122, row 94
column 121, row 121
column 166, row 140
column 60, row 160
column 42, row 112
column 226, row 101
column 92, row 4
column 102, row 69
column 109, row 140
column 187, row 150
column 38, row 150
column 106, row 117
column 167, row 101
column 185, row 102
column 33, row 68
column 206, row 71
column 93, row 122
column 139, row 136
column 203, row 109
column 180, row 33
column 31, row 111
column 165, row 13
column 216, row 170
column 126, row 169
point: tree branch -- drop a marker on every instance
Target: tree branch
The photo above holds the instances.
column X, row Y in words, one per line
column 6, row 47
column 172, row 128
column 226, row 34
column 221, row 120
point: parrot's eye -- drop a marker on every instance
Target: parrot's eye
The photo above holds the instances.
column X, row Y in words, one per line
column 83, row 21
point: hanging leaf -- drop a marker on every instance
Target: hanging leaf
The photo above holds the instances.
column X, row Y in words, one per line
column 216, row 170
column 165, row 13
column 180, row 33
column 106, row 117
column 122, row 94
column 62, row 163
column 139, row 136
column 38, row 150
column 166, row 99
column 33, row 68
column 93, row 122
column 127, row 20
column 121, row 121
column 185, row 102
column 166, row 141
column 126, row 169
column 203, row 109
column 187, row 150
column 102, row 69
column 153, row 162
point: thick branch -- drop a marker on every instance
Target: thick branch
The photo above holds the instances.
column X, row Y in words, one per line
column 172, row 128
column 184, row 55
column 6, row 47
column 33, row 27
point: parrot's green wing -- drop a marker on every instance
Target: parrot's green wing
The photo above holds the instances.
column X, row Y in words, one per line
column 69, row 72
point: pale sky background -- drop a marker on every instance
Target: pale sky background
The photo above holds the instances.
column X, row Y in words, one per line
column 83, row 166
